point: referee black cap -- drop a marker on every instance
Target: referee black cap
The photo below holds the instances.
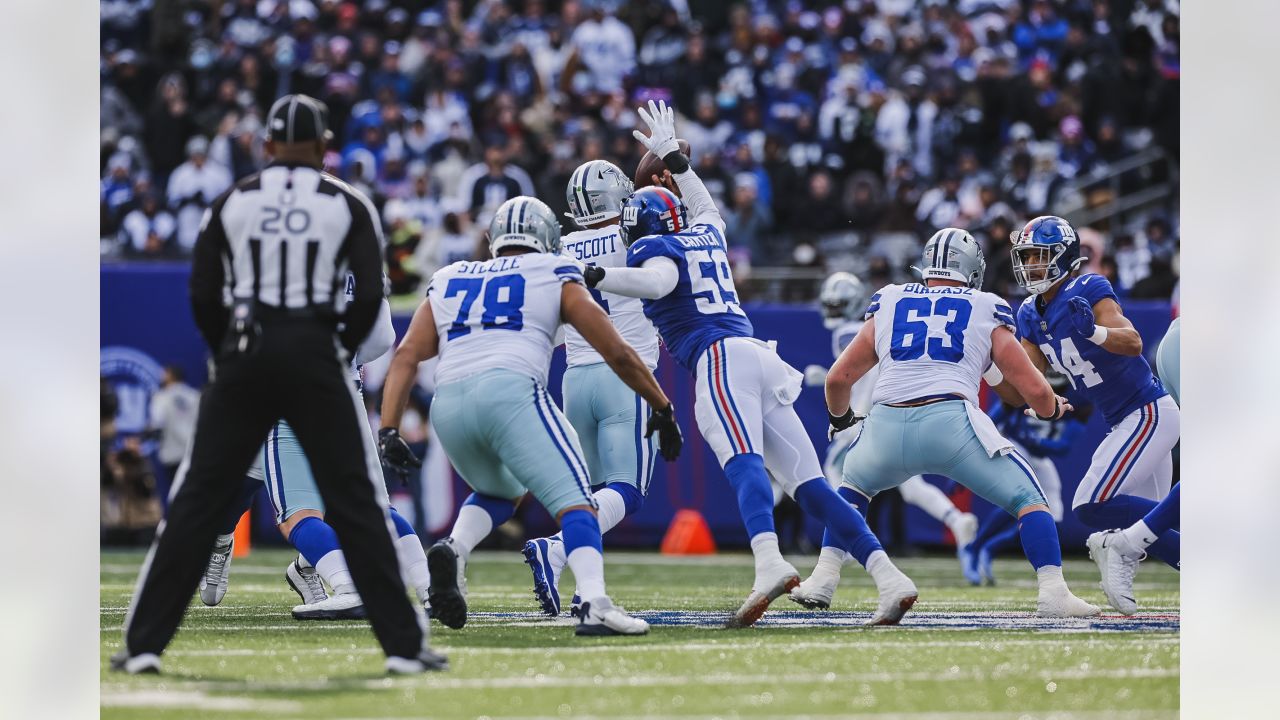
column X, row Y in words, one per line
column 298, row 118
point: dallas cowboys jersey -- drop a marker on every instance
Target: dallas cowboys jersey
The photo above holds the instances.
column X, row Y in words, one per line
column 1116, row 384
column 860, row 395
column 499, row 313
column 604, row 247
column 703, row 308
column 933, row 340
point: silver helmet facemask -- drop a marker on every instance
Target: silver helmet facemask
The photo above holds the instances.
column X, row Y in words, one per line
column 524, row 222
column 952, row 254
column 596, row 192
column 843, row 298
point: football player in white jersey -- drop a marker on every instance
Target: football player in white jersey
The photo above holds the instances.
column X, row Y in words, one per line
column 607, row 415
column 492, row 323
column 932, row 343
column 677, row 262
column 843, row 298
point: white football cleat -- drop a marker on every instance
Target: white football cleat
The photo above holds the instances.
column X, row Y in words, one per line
column 769, row 586
column 1063, row 604
column 897, row 594
column 964, row 527
column 428, row 660
column 141, row 664
column 217, row 574
column 347, row 606
column 816, row 592
column 306, row 582
column 601, row 617
column 1117, row 560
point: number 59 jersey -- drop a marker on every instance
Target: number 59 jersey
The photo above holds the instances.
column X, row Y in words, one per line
column 933, row 340
column 703, row 308
column 499, row 313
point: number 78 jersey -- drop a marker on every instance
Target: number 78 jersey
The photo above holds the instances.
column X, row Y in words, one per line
column 703, row 308
column 499, row 313
column 933, row 340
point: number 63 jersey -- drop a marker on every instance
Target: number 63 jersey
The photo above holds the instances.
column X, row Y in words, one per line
column 933, row 340
column 703, row 308
column 499, row 313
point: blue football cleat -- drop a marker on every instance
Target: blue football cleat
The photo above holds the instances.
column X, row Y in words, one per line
column 969, row 563
column 537, row 555
column 984, row 566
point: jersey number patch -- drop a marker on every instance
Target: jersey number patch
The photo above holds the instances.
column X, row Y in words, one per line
column 503, row 300
column 1072, row 364
column 911, row 341
column 707, row 270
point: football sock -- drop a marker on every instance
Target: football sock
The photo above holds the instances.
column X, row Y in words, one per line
column 928, row 497
column 479, row 515
column 860, row 503
column 849, row 527
column 413, row 559
column 830, row 560
column 318, row 543
column 996, row 523
column 1121, row 511
column 749, row 480
column 583, row 548
column 613, row 505
column 1161, row 519
column 1040, row 539
column 1049, row 578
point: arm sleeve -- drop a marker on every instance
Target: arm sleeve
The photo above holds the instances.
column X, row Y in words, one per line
column 655, row 278
column 362, row 249
column 208, row 275
column 381, row 338
column 702, row 209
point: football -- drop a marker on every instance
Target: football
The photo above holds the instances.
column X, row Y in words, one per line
column 651, row 164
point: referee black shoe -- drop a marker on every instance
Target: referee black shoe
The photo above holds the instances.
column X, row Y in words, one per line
column 143, row 664
column 427, row 661
column 447, row 592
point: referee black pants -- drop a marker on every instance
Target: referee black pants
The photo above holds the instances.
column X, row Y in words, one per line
column 299, row 375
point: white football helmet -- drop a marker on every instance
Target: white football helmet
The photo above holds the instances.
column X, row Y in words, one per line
column 952, row 254
column 524, row 222
column 596, row 192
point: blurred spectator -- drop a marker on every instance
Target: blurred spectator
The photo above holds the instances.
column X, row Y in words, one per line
column 172, row 416
column 940, row 206
column 747, row 220
column 604, row 48
column 193, row 186
column 1076, row 153
column 148, row 230
column 1159, row 282
column 169, row 125
column 1133, row 260
column 486, row 185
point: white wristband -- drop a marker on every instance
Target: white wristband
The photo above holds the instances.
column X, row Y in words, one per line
column 1099, row 335
column 993, row 376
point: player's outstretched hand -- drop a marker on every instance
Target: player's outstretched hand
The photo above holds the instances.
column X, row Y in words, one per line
column 1081, row 315
column 840, row 423
column 670, row 440
column 1062, row 407
column 396, row 454
column 661, row 120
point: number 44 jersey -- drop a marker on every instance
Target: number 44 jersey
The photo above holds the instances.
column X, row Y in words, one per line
column 1116, row 384
column 499, row 313
column 703, row 308
column 933, row 340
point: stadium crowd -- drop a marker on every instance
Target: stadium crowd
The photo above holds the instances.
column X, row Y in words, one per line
column 835, row 135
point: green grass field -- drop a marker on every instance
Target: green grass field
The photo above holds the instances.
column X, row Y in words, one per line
column 962, row 654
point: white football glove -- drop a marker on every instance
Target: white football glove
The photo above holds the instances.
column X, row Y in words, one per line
column 662, row 129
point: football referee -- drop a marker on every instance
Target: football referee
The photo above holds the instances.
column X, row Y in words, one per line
column 269, row 264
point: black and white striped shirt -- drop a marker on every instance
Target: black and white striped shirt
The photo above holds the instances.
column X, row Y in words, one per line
column 287, row 237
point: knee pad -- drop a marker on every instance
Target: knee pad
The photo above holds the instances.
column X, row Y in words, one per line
column 631, row 497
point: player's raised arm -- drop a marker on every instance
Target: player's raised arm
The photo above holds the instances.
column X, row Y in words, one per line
column 661, row 141
column 579, row 309
column 1018, row 370
column 1105, row 325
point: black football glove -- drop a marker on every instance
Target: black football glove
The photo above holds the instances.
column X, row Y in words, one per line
column 396, row 454
column 593, row 274
column 842, row 422
column 670, row 440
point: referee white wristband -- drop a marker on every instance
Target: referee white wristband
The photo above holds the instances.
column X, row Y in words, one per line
column 1099, row 335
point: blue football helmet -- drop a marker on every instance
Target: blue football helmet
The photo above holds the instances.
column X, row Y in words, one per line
column 1045, row 252
column 652, row 211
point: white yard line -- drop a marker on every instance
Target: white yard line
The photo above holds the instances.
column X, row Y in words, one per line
column 157, row 698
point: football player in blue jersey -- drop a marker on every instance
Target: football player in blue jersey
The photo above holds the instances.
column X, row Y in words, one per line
column 677, row 263
column 1038, row 441
column 1118, row 552
column 1074, row 323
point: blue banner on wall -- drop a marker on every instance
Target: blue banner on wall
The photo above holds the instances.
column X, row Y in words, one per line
column 146, row 323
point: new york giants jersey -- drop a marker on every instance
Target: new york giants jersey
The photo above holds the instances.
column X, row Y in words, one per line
column 933, row 340
column 499, row 313
column 604, row 247
column 1116, row 384
column 703, row 308
column 861, row 393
